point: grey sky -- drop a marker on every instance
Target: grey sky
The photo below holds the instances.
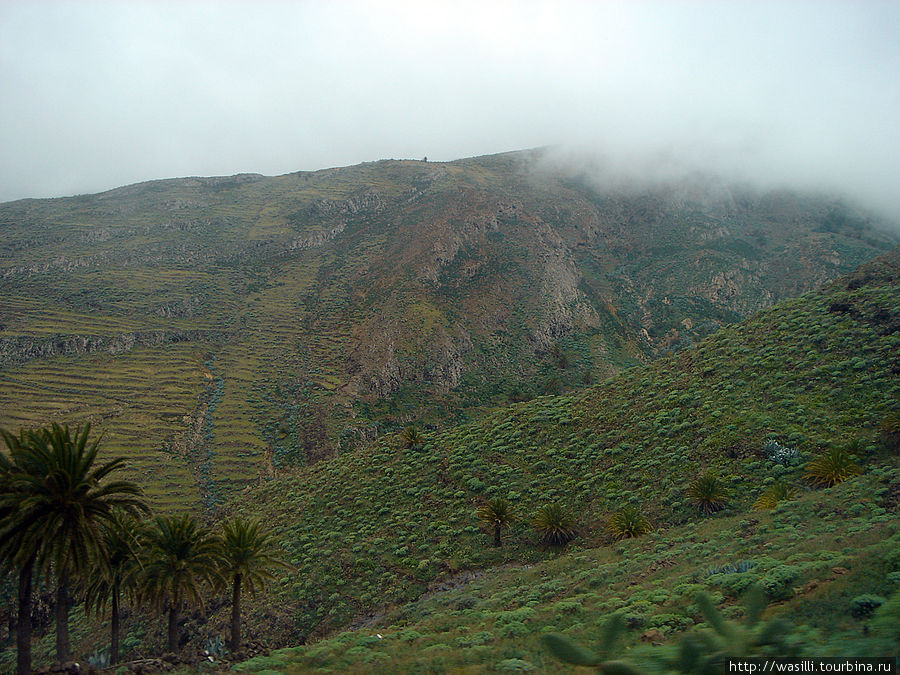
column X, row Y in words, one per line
column 98, row 94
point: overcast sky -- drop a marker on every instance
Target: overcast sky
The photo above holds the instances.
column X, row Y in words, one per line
column 99, row 94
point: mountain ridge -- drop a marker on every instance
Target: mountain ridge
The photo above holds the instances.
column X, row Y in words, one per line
column 329, row 307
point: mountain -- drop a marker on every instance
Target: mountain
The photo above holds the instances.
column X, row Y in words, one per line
column 224, row 329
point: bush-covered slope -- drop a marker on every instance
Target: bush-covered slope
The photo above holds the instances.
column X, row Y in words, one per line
column 229, row 327
column 826, row 560
column 382, row 525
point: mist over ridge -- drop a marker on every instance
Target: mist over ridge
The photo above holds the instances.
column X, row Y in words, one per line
column 802, row 95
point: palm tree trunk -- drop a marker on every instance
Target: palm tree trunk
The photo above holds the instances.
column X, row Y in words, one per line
column 173, row 628
column 62, row 619
column 114, row 626
column 236, row 614
column 497, row 534
column 23, row 629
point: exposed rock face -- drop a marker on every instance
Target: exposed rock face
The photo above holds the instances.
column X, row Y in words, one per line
column 315, row 239
column 25, row 348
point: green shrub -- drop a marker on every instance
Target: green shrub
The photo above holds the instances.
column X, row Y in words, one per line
column 773, row 495
column 515, row 666
column 704, row 651
column 886, row 620
column 412, row 437
column 777, row 582
column 514, row 629
column 863, row 605
column 568, row 652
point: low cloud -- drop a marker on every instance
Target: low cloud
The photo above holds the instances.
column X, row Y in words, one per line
column 96, row 95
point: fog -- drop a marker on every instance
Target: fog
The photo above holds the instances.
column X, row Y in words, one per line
column 94, row 95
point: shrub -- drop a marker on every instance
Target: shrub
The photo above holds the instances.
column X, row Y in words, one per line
column 863, row 605
column 886, row 620
column 738, row 567
column 890, row 431
column 704, row 651
column 515, row 666
column 735, row 584
column 628, row 522
column 777, row 581
column 781, row 454
column 708, row 493
column 776, row 493
column 514, row 629
column 832, row 467
column 555, row 526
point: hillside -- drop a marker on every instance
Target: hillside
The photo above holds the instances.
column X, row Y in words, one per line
column 374, row 529
column 226, row 329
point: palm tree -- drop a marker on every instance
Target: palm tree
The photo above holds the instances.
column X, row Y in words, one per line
column 834, row 465
column 248, row 555
column 498, row 514
column 53, row 508
column 179, row 557
column 118, row 567
column 628, row 522
column 14, row 555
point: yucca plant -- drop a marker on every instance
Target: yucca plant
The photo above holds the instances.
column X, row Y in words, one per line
column 708, row 493
column 498, row 514
column 555, row 525
column 411, row 437
column 833, row 466
column 776, row 493
column 628, row 522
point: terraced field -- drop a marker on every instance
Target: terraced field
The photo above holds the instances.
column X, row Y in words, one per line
column 138, row 401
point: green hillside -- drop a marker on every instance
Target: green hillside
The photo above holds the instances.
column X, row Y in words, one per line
column 228, row 329
column 379, row 527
